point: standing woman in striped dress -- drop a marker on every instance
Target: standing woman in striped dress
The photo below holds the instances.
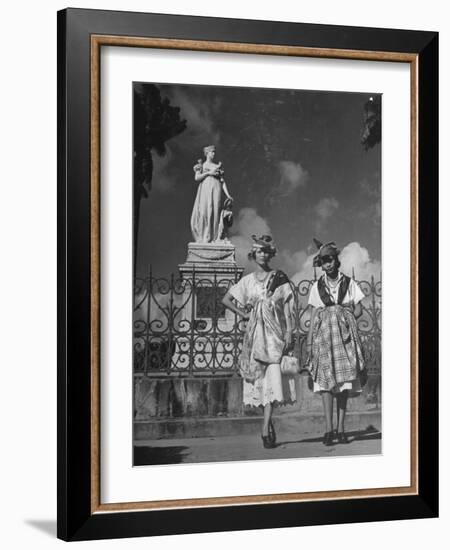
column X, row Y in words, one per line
column 263, row 299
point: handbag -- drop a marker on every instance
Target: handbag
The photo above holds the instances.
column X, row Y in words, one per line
column 290, row 365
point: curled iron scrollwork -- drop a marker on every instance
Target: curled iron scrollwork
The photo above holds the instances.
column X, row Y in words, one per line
column 175, row 335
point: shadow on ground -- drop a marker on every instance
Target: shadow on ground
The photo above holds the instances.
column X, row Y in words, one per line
column 143, row 456
column 47, row 526
column 369, row 434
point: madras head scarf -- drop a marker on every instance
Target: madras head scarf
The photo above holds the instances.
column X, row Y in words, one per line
column 208, row 148
column 265, row 242
column 327, row 249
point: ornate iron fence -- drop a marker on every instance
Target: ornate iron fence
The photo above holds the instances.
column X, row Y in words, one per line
column 181, row 327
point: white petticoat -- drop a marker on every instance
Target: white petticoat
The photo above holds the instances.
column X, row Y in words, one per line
column 272, row 387
column 354, row 386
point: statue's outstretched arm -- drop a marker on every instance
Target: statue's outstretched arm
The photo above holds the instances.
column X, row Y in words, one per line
column 225, row 190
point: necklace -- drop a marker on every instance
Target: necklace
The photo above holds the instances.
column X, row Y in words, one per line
column 263, row 279
column 333, row 284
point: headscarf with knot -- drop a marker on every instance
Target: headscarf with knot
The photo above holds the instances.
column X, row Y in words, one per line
column 327, row 249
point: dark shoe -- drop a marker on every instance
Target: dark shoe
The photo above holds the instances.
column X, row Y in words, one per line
column 328, row 439
column 272, row 434
column 342, row 438
column 267, row 442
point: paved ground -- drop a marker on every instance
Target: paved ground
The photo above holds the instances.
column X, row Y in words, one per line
column 249, row 447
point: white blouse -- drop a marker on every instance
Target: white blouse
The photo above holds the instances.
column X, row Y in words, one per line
column 353, row 295
column 250, row 288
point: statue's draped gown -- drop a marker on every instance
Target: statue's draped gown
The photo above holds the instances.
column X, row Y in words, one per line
column 206, row 212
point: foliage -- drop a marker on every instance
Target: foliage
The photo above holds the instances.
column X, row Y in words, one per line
column 155, row 122
column 371, row 133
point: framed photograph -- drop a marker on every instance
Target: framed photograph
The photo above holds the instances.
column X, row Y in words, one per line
column 247, row 255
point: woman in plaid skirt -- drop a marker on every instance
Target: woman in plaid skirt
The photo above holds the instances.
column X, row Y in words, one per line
column 333, row 344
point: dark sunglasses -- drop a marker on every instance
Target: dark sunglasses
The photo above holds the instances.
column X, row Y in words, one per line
column 327, row 259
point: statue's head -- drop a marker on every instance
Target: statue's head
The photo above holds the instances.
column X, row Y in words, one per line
column 209, row 149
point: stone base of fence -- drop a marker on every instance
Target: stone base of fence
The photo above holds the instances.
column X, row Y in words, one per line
column 157, row 398
column 211, row 407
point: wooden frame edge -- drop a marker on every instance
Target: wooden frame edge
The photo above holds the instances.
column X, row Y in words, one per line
column 261, row 49
column 95, row 273
column 254, row 499
column 98, row 40
column 414, row 220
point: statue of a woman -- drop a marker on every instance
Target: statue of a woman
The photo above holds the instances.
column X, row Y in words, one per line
column 206, row 214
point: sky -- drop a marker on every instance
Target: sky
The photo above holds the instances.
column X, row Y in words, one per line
column 294, row 165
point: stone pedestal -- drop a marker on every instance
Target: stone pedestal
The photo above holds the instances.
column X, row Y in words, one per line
column 209, row 259
column 209, row 270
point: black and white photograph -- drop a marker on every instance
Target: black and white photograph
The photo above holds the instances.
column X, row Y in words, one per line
column 257, row 274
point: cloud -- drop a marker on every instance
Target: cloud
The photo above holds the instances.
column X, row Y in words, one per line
column 354, row 258
column 305, row 270
column 371, row 189
column 292, row 177
column 377, row 212
column 247, row 223
column 371, row 185
column 324, row 209
column 299, row 264
column 291, row 262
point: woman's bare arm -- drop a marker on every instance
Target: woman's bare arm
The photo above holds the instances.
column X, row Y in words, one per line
column 288, row 317
column 313, row 311
column 357, row 311
column 227, row 301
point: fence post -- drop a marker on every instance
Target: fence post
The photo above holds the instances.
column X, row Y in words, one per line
column 193, row 326
column 374, row 304
column 235, row 337
column 147, row 323
column 214, row 325
column 170, row 321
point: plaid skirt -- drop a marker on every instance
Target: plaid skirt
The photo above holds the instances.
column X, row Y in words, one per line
column 337, row 354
